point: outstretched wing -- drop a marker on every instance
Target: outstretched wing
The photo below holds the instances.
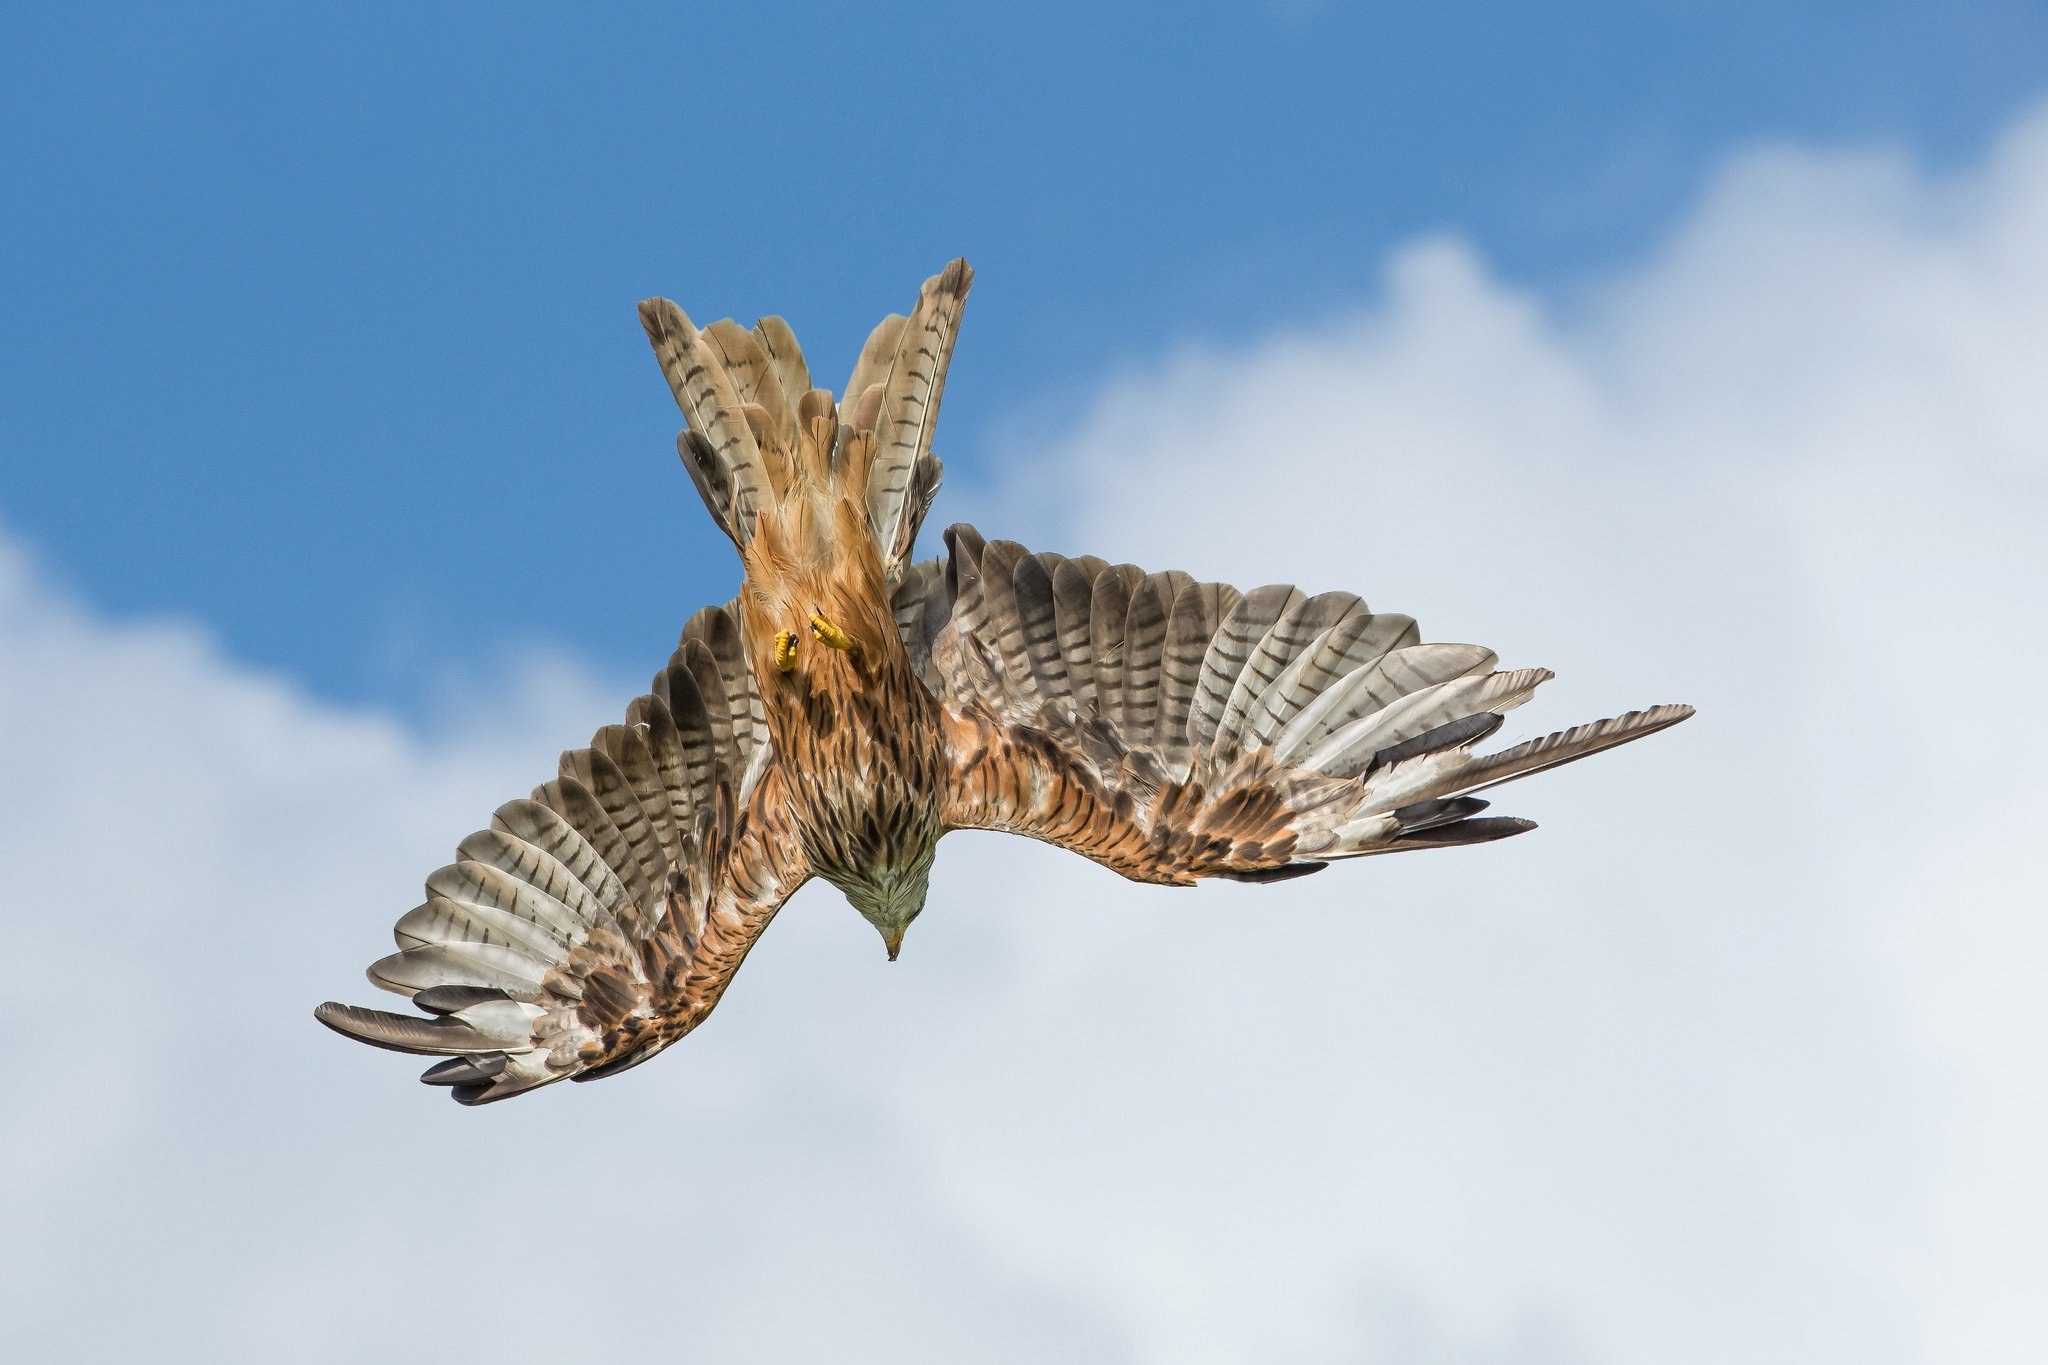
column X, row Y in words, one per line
column 598, row 921
column 1173, row 730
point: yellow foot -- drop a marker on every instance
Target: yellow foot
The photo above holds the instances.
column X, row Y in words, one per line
column 825, row 633
column 785, row 650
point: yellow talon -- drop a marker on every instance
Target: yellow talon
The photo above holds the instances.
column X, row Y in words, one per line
column 785, row 650
column 825, row 633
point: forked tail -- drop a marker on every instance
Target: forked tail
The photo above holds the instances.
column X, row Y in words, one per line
column 759, row 432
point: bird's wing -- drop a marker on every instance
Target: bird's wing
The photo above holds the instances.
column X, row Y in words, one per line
column 1173, row 730
column 598, row 921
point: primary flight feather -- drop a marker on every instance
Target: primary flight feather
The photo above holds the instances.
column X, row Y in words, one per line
column 851, row 706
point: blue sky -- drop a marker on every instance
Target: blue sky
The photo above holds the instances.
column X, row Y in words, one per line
column 319, row 324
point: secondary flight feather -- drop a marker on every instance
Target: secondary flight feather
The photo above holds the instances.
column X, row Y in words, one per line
column 851, row 706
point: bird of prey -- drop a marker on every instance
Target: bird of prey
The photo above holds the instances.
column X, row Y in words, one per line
column 851, row 705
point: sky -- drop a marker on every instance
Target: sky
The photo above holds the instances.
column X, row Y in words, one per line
column 320, row 327
column 1691, row 352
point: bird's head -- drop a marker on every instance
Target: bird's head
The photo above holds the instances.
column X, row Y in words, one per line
column 890, row 899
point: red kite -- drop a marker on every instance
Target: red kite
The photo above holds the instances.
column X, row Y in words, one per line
column 851, row 706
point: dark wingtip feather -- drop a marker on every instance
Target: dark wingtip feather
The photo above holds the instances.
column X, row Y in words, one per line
column 1441, row 810
column 1480, row 831
column 449, row 999
column 1450, row 735
column 624, row 1062
column 1262, row 875
column 473, row 1070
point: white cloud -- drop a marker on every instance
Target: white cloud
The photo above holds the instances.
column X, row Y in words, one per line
column 1740, row 1058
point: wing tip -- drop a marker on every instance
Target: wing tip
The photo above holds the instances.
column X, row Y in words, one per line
column 1649, row 720
column 360, row 1025
column 1483, row 829
column 1261, row 876
column 473, row 1069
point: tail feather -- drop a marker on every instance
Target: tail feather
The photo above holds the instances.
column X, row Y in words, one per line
column 913, row 383
column 747, row 396
column 754, row 378
column 786, row 356
column 728, row 456
column 877, row 354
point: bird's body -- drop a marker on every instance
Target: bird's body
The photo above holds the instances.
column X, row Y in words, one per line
column 859, row 737
column 851, row 706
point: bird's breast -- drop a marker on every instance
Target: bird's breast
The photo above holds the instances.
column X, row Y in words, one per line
column 866, row 785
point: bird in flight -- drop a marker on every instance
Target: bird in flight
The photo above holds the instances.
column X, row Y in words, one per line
column 851, row 705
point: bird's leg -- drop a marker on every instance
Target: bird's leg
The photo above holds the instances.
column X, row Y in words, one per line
column 785, row 650
column 825, row 633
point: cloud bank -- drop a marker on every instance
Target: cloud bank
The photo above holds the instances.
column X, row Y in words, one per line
column 1740, row 1058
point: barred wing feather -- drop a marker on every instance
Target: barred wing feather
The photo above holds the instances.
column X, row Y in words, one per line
column 599, row 920
column 1174, row 730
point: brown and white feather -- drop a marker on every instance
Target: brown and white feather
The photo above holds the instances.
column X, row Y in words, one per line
column 851, row 705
